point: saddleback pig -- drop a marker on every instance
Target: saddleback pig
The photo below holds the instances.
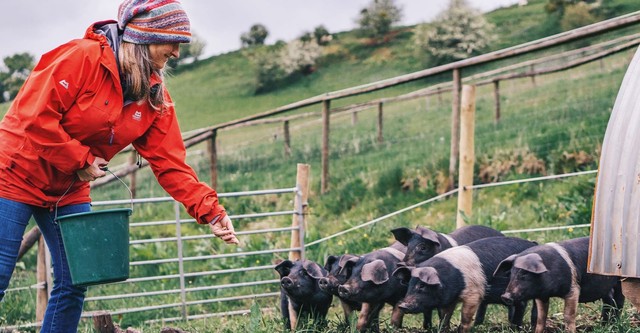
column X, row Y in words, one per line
column 335, row 277
column 423, row 243
column 461, row 274
column 559, row 270
column 300, row 295
column 370, row 283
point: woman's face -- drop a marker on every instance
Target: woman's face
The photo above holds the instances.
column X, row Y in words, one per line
column 160, row 53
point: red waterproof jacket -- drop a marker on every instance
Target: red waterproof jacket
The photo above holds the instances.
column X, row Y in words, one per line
column 71, row 110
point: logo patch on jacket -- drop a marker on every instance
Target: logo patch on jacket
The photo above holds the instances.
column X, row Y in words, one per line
column 137, row 115
column 64, row 83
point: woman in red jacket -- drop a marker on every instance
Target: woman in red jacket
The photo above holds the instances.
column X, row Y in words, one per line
column 83, row 103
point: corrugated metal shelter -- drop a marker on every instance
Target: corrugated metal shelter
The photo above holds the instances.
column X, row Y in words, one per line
column 615, row 225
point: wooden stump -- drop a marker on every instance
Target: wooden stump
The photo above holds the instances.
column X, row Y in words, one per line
column 631, row 291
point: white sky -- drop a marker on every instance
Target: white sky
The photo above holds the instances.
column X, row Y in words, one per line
column 37, row 26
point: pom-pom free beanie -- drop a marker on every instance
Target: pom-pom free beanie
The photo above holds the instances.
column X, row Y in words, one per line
column 153, row 22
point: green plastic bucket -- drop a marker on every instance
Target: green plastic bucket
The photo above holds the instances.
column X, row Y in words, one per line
column 97, row 245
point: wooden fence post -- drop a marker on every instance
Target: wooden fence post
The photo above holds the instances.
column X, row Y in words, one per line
column 496, row 97
column 380, row 135
column 287, row 140
column 133, row 159
column 455, row 126
column 42, row 294
column 300, row 206
column 354, row 117
column 467, row 154
column 324, row 181
column 213, row 155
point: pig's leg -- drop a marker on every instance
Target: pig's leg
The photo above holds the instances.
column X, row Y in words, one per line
column 426, row 319
column 543, row 308
column 347, row 310
column 368, row 317
column 469, row 309
column 482, row 310
column 517, row 313
column 396, row 317
column 293, row 317
column 445, row 317
column 612, row 304
column 571, row 309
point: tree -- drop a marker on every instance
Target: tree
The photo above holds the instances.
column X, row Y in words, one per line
column 322, row 35
column 376, row 19
column 458, row 33
column 19, row 67
column 256, row 36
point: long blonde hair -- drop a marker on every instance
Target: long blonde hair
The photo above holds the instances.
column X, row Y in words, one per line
column 135, row 70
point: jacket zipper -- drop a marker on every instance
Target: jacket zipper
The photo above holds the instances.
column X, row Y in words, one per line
column 113, row 133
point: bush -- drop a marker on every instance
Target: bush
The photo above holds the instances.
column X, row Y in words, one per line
column 281, row 65
column 576, row 16
column 458, row 33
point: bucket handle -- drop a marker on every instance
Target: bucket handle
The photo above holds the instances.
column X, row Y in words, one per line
column 55, row 217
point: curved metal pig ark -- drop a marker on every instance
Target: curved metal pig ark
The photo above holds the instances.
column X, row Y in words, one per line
column 371, row 284
column 335, row 277
column 300, row 295
column 560, row 270
column 461, row 274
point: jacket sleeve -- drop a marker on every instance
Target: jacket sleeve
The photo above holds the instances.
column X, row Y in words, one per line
column 47, row 94
column 163, row 147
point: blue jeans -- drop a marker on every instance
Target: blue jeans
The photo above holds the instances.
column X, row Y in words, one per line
column 65, row 304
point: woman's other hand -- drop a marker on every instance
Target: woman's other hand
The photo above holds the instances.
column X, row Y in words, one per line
column 94, row 171
column 224, row 230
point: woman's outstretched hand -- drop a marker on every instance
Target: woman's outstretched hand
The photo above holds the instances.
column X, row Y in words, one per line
column 94, row 171
column 223, row 229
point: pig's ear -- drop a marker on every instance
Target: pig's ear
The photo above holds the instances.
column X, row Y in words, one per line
column 428, row 234
column 531, row 262
column 347, row 265
column 375, row 271
column 330, row 261
column 347, row 257
column 284, row 268
column 402, row 235
column 403, row 273
column 505, row 266
column 313, row 270
column 427, row 275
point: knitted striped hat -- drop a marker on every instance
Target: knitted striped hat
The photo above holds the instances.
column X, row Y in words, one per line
column 153, row 22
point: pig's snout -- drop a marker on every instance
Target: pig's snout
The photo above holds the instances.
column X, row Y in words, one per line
column 404, row 307
column 507, row 298
column 344, row 292
column 286, row 282
column 323, row 283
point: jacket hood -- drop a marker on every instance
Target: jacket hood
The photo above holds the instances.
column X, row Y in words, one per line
column 107, row 33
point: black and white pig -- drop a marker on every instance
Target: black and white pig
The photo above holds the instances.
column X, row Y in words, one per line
column 335, row 277
column 461, row 274
column 300, row 295
column 371, row 284
column 423, row 243
column 559, row 270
